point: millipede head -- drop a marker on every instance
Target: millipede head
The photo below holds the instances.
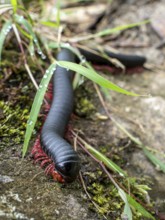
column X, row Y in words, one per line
column 68, row 170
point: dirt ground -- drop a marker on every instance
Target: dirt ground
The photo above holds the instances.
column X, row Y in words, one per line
column 25, row 191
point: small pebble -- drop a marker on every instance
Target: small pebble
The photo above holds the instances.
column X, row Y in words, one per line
column 5, row 179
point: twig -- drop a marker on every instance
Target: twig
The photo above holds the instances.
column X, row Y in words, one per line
column 108, row 174
column 24, row 57
column 134, row 139
column 37, row 174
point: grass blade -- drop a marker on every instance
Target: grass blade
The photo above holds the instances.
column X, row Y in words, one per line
column 58, row 12
column 110, row 31
column 159, row 164
column 24, row 32
column 36, row 106
column 5, row 30
column 49, row 23
column 109, row 163
column 119, row 28
column 139, row 207
column 94, row 76
column 127, row 210
column 14, row 4
column 21, row 20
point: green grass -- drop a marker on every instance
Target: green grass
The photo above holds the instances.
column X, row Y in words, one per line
column 94, row 76
column 15, row 5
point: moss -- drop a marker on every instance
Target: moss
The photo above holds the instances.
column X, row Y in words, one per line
column 17, row 92
column 103, row 149
column 84, row 107
column 83, row 100
column 106, row 197
column 13, row 121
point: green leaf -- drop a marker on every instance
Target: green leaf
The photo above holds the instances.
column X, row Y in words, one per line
column 24, row 32
column 58, row 12
column 49, row 23
column 94, row 76
column 21, row 20
column 14, row 4
column 120, row 28
column 109, row 163
column 139, row 208
column 127, row 210
column 154, row 159
column 4, row 32
column 36, row 106
column 111, row 31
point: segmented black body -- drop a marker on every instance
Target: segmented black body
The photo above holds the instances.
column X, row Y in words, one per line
column 65, row 158
column 127, row 60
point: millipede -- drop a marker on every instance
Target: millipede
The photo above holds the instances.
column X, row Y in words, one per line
column 51, row 149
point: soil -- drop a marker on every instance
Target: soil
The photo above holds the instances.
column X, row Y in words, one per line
column 25, row 191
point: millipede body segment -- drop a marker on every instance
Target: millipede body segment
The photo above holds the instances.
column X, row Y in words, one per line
column 129, row 61
column 64, row 157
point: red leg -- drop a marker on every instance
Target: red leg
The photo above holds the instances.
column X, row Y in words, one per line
column 49, row 169
column 39, row 154
column 48, row 160
column 40, row 159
